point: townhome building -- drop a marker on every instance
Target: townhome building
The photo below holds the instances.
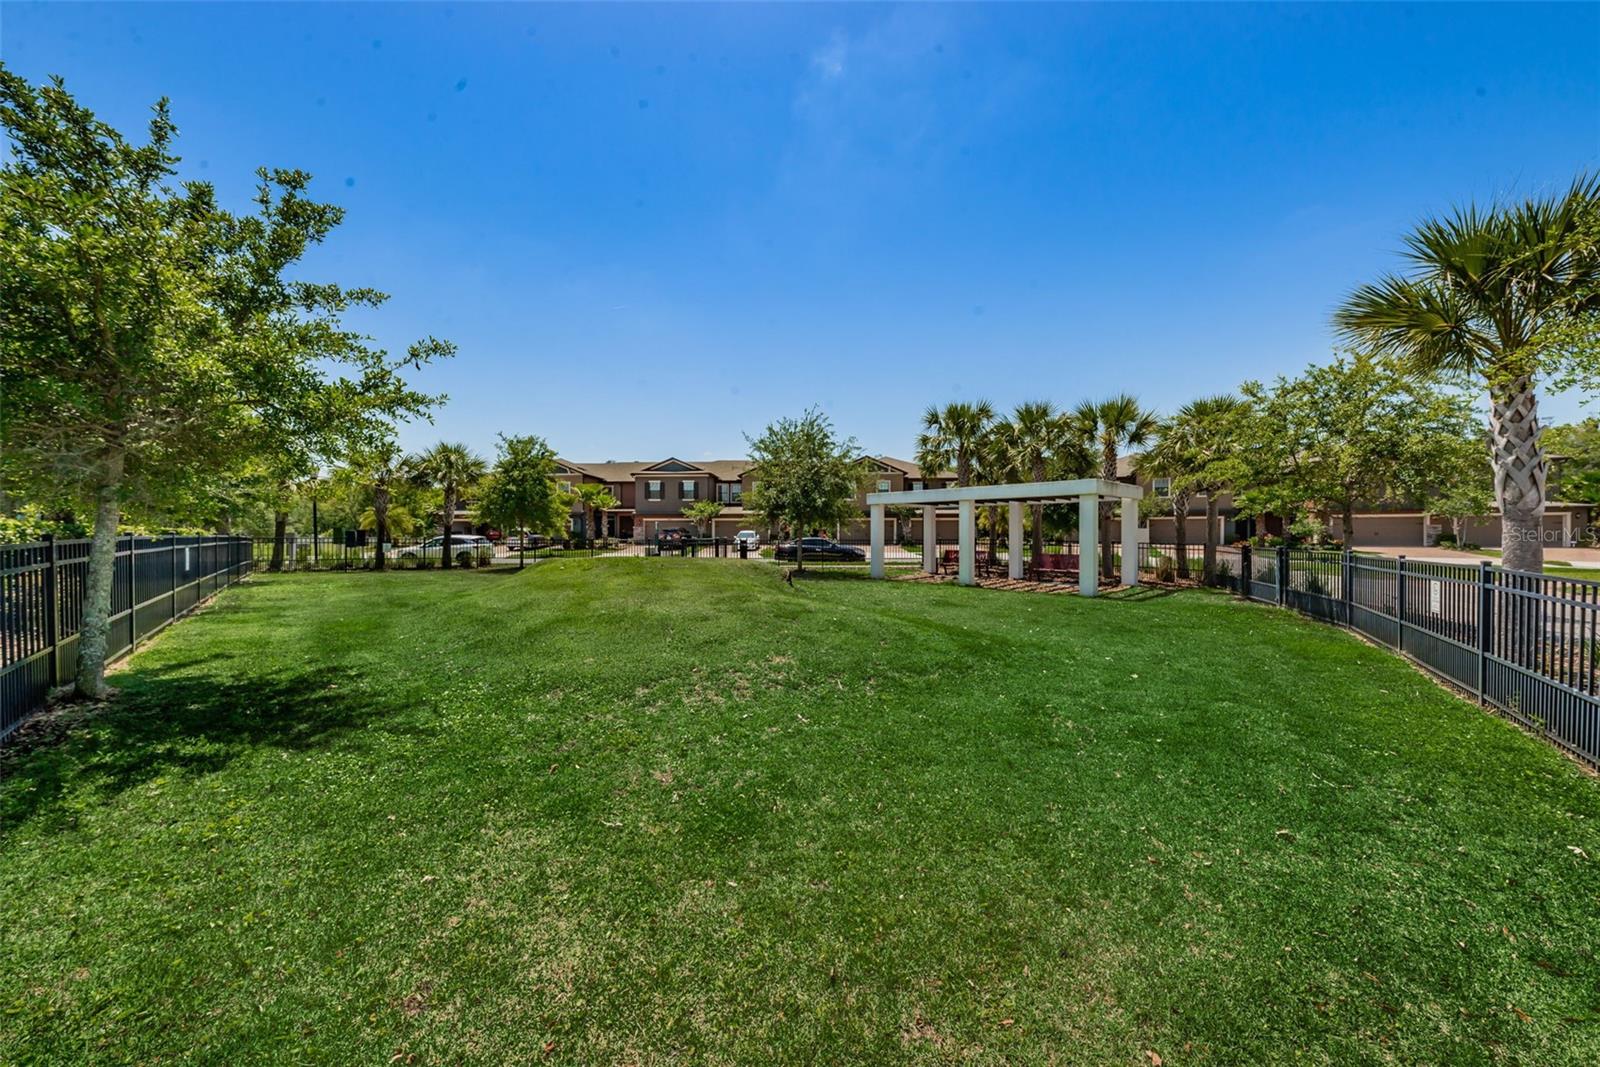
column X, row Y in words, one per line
column 652, row 496
column 1386, row 524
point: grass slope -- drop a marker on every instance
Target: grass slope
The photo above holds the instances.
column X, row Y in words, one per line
column 642, row 811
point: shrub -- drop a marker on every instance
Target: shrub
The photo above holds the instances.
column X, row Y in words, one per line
column 1222, row 573
column 1166, row 569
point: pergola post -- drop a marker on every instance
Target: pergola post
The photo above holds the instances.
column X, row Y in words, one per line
column 1014, row 539
column 968, row 533
column 930, row 539
column 1130, row 541
column 1089, row 544
column 877, row 540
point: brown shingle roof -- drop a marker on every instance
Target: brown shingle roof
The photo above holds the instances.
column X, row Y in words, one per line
column 726, row 470
column 608, row 471
column 911, row 469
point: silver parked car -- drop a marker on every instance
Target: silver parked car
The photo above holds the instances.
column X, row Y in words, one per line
column 465, row 548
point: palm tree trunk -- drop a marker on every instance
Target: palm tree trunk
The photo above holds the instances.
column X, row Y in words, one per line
column 95, row 630
column 280, row 527
column 1180, row 532
column 380, row 520
column 1108, row 472
column 449, row 520
column 1519, row 473
column 1038, row 515
column 1209, row 562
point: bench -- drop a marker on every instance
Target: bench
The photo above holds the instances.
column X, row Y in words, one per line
column 983, row 563
column 1054, row 566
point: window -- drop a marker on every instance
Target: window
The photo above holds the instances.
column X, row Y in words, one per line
column 883, row 485
column 1162, row 486
column 652, row 490
column 729, row 492
column 686, row 489
column 916, row 485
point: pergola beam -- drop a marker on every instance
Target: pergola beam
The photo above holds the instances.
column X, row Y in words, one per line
column 1025, row 492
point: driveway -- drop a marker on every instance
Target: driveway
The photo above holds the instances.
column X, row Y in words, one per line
column 1582, row 557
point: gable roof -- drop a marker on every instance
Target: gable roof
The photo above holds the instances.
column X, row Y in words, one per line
column 911, row 469
column 609, row 471
column 724, row 470
column 672, row 465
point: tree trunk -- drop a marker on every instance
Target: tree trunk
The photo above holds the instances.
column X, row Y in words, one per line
column 1180, row 532
column 1038, row 515
column 280, row 527
column 380, row 521
column 1347, row 524
column 1108, row 472
column 1209, row 562
column 449, row 520
column 95, row 631
column 1519, row 474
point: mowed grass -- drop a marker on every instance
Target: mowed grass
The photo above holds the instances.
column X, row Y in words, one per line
column 653, row 811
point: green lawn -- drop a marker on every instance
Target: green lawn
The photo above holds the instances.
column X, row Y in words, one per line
column 651, row 811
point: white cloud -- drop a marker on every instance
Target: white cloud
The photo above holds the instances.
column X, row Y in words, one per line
column 828, row 61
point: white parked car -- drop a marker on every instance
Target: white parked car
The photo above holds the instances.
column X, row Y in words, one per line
column 463, row 547
column 749, row 538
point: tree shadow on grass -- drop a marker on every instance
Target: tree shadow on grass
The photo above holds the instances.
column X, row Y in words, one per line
column 1137, row 594
column 163, row 723
column 821, row 573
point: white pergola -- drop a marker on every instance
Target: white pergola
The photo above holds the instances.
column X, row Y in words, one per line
column 1086, row 491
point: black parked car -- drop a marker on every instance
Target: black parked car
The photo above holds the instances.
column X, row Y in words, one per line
column 821, row 548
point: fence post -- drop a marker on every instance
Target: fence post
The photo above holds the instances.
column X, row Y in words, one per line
column 1346, row 584
column 1485, row 614
column 52, row 619
column 1400, row 603
column 1245, row 573
column 1283, row 575
column 174, row 546
column 133, row 587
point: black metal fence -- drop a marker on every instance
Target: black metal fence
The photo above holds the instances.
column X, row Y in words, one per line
column 1522, row 643
column 333, row 553
column 155, row 580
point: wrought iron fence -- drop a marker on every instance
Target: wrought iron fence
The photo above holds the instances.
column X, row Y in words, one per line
column 154, row 581
column 1522, row 643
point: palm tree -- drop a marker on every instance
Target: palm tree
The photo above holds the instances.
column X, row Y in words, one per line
column 1109, row 426
column 1035, row 437
column 379, row 467
column 951, row 437
column 454, row 468
column 596, row 500
column 1210, row 423
column 1171, row 457
column 1484, row 288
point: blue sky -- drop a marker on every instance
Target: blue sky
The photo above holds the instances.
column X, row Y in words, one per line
column 654, row 229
